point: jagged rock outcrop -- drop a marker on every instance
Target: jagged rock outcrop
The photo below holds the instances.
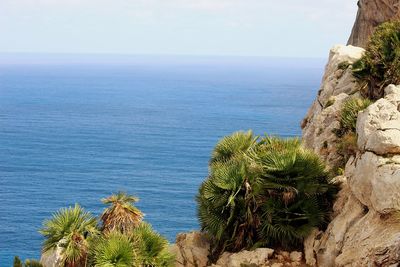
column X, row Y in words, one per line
column 191, row 249
column 370, row 14
column 52, row 258
column 322, row 118
column 365, row 230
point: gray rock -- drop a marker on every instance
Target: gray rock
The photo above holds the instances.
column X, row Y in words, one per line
column 191, row 249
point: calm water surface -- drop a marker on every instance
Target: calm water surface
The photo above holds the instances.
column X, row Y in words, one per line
column 77, row 133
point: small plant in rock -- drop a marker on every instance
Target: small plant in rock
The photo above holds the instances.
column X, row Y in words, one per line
column 349, row 114
column 344, row 65
column 347, row 146
column 330, row 102
column 380, row 65
column 350, row 110
column 347, row 137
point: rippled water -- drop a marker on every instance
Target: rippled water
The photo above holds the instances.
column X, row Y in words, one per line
column 77, row 133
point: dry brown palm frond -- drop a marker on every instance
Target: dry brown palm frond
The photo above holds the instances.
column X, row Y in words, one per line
column 121, row 215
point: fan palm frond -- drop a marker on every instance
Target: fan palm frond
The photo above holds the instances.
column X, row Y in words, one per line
column 69, row 229
column 121, row 215
column 114, row 250
column 151, row 247
column 263, row 191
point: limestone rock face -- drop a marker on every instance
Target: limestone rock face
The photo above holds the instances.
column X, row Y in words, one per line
column 323, row 116
column 370, row 14
column 191, row 250
column 378, row 127
column 366, row 228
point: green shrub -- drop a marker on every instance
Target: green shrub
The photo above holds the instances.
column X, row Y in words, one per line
column 70, row 228
column 330, row 102
column 28, row 263
column 343, row 65
column 32, row 263
column 347, row 147
column 380, row 65
column 151, row 248
column 349, row 114
column 347, row 138
column 267, row 191
column 125, row 241
column 17, row 262
column 114, row 250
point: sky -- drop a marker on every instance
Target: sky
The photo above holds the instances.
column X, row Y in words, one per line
column 277, row 28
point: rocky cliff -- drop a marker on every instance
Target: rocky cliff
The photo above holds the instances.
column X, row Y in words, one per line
column 365, row 225
column 365, row 230
column 370, row 14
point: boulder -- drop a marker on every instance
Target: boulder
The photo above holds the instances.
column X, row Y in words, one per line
column 257, row 257
column 52, row 258
column 191, row 249
column 378, row 126
column 296, row 256
column 375, row 181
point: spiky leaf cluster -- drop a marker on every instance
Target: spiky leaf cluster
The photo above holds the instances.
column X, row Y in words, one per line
column 263, row 191
column 70, row 228
column 349, row 113
column 114, row 250
column 151, row 247
column 125, row 241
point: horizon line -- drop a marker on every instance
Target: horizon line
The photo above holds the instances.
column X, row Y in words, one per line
column 100, row 54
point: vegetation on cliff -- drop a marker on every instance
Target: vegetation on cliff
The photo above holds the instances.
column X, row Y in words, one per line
column 347, row 142
column 263, row 191
column 28, row 263
column 121, row 238
column 380, row 65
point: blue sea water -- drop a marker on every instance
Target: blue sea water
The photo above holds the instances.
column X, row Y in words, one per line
column 79, row 132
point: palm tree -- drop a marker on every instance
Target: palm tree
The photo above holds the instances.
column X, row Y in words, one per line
column 121, row 215
column 296, row 196
column 226, row 199
column 114, row 250
column 151, row 247
column 262, row 192
column 70, row 229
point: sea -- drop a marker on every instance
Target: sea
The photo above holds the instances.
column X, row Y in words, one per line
column 76, row 129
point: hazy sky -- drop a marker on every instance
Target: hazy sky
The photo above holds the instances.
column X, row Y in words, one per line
column 301, row 28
